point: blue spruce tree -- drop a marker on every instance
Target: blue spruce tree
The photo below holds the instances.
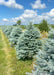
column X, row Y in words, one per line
column 45, row 58
column 7, row 30
column 29, row 43
column 15, row 34
column 51, row 34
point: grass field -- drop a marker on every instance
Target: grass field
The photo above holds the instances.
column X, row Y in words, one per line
column 2, row 58
column 9, row 64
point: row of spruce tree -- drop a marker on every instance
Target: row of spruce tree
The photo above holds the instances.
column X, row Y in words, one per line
column 28, row 43
column 45, row 57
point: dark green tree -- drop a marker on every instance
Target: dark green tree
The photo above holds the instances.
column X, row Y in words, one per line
column 19, row 22
column 43, row 26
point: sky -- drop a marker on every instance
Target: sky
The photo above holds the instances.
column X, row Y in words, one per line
column 26, row 11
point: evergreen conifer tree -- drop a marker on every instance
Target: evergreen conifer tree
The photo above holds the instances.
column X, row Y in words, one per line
column 7, row 30
column 45, row 59
column 43, row 26
column 15, row 34
column 51, row 34
column 28, row 43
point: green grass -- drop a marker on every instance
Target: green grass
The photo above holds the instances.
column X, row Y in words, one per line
column 2, row 58
column 1, row 44
column 2, row 63
column 19, row 67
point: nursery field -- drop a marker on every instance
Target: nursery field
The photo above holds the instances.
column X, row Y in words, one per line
column 27, row 37
column 27, row 51
column 9, row 64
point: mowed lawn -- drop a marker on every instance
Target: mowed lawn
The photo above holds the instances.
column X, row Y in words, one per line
column 18, row 67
